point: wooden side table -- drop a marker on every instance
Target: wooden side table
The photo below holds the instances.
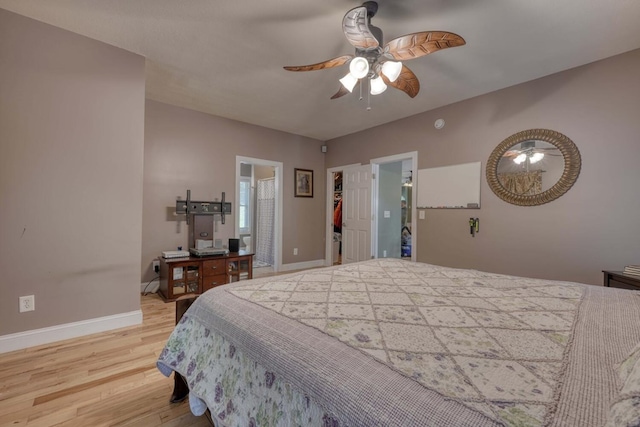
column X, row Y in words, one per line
column 617, row 279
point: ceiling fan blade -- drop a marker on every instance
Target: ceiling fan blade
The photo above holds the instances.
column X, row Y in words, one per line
column 330, row 63
column 343, row 91
column 419, row 44
column 356, row 29
column 406, row 82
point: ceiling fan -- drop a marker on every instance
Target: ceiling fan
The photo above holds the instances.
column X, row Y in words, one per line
column 377, row 63
column 529, row 151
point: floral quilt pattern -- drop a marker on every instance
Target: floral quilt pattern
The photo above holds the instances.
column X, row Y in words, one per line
column 495, row 343
column 238, row 391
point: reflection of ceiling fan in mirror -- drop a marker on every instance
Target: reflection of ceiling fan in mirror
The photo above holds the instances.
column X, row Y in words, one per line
column 528, row 151
column 378, row 64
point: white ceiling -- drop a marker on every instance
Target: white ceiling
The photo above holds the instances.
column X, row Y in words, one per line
column 226, row 57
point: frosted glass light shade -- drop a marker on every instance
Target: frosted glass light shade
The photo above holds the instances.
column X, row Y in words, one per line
column 536, row 157
column 521, row 158
column 349, row 82
column 359, row 67
column 377, row 86
column 392, row 69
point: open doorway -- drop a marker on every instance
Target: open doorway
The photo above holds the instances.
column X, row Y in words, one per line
column 334, row 241
column 406, row 203
column 350, row 240
column 400, row 224
column 258, row 214
column 394, row 206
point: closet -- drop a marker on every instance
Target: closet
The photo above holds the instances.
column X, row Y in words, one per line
column 337, row 218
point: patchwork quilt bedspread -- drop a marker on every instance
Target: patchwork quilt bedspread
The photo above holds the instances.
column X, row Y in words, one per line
column 396, row 343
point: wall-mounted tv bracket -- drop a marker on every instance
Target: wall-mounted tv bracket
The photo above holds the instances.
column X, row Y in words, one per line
column 192, row 207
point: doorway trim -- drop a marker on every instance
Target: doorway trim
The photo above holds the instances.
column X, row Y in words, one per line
column 328, row 251
column 278, row 168
column 413, row 156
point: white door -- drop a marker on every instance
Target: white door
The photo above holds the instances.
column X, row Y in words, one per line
column 356, row 214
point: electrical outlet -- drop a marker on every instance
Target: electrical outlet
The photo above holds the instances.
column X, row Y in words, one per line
column 156, row 265
column 27, row 303
column 295, row 251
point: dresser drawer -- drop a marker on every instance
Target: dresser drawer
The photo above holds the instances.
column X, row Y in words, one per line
column 213, row 267
column 209, row 282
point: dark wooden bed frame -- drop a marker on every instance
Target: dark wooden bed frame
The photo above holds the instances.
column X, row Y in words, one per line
column 180, row 387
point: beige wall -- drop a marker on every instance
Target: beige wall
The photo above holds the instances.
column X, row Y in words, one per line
column 185, row 149
column 592, row 227
column 71, row 153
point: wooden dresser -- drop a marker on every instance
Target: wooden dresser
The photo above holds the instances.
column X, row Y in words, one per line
column 195, row 275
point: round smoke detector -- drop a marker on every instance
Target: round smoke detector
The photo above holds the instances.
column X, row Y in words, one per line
column 439, row 124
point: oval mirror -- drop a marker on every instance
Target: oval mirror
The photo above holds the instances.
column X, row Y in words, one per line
column 533, row 167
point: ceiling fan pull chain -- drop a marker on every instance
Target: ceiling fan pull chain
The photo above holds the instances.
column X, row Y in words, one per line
column 361, row 91
column 369, row 96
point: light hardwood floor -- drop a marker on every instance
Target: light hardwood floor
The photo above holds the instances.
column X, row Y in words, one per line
column 106, row 379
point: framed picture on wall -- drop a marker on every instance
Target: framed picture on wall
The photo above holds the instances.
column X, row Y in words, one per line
column 304, row 183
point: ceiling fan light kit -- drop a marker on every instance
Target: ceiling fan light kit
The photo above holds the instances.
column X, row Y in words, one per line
column 531, row 157
column 392, row 69
column 349, row 82
column 377, row 86
column 359, row 67
column 381, row 64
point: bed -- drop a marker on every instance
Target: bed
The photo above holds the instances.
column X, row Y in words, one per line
column 390, row 342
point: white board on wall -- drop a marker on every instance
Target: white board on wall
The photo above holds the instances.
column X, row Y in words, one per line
column 456, row 186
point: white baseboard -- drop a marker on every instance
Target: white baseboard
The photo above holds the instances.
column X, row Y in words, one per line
column 303, row 265
column 26, row 339
column 149, row 287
